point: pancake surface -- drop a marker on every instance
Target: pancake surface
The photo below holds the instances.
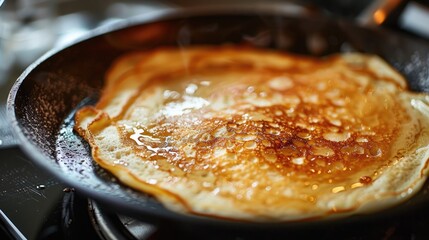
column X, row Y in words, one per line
column 260, row 135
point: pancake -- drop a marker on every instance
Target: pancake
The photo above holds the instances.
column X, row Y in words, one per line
column 260, row 135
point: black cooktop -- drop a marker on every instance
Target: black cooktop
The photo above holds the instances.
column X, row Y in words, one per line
column 39, row 206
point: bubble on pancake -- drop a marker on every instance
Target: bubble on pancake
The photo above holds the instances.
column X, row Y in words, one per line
column 260, row 135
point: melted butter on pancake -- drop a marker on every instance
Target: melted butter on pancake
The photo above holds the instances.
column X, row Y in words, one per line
column 286, row 138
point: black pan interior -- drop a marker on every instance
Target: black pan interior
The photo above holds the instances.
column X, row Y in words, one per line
column 44, row 98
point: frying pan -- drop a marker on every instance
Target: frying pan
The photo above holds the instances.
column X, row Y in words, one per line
column 43, row 100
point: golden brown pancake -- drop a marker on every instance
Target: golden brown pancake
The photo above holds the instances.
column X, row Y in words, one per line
column 260, row 135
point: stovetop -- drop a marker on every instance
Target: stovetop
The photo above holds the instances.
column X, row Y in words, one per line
column 37, row 204
column 34, row 205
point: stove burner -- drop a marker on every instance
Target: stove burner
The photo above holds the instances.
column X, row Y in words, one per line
column 114, row 226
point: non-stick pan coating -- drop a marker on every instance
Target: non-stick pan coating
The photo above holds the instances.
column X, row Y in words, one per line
column 44, row 98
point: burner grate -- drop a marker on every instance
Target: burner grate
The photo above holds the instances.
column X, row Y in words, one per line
column 111, row 226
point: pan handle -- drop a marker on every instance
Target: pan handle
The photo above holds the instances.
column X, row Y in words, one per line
column 7, row 138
